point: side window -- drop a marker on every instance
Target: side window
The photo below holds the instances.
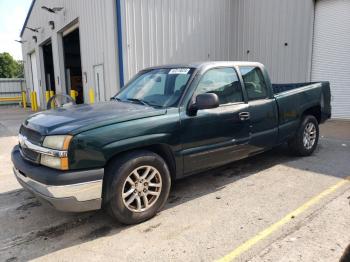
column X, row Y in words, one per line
column 254, row 82
column 223, row 82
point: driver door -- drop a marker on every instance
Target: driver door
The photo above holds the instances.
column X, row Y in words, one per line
column 217, row 136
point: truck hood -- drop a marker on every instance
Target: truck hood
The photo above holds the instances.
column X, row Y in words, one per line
column 78, row 118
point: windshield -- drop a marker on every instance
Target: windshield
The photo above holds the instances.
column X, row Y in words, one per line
column 157, row 87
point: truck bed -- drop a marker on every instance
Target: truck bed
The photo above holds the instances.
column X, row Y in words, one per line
column 293, row 99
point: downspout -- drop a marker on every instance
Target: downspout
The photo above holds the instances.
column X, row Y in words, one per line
column 120, row 44
column 312, row 41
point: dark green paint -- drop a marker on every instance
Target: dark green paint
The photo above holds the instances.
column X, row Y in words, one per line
column 210, row 138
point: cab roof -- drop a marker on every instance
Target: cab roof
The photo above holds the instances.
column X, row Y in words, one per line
column 199, row 65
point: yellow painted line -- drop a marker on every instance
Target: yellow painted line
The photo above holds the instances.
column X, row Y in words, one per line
column 268, row 231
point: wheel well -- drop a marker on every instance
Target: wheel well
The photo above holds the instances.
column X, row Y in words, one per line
column 314, row 111
column 167, row 154
column 161, row 149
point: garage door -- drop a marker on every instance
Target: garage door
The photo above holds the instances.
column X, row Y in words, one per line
column 331, row 52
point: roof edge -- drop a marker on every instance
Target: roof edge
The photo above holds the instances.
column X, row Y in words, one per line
column 27, row 18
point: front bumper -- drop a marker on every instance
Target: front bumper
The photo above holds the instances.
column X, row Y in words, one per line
column 71, row 191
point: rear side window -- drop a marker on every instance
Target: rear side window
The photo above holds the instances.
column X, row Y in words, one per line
column 223, row 82
column 254, row 82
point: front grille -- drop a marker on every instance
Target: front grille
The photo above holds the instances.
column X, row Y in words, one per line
column 33, row 136
column 30, row 155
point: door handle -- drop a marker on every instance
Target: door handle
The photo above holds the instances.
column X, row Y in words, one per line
column 244, row 116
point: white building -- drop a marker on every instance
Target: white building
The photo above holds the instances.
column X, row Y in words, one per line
column 100, row 44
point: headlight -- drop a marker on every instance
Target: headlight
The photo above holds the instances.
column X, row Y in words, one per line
column 54, row 162
column 57, row 142
column 57, row 161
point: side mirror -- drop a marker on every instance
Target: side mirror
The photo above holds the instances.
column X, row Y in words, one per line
column 207, row 101
column 204, row 101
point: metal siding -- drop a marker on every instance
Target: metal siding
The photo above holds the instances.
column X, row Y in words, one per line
column 11, row 86
column 331, row 52
column 262, row 27
column 98, row 39
column 166, row 31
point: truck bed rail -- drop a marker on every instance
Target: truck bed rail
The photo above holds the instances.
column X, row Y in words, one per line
column 279, row 88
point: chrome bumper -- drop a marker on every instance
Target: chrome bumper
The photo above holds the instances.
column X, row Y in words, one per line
column 72, row 198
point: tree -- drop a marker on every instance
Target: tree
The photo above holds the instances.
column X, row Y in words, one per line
column 10, row 68
column 20, row 69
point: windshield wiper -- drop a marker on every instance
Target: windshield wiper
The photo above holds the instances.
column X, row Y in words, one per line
column 142, row 102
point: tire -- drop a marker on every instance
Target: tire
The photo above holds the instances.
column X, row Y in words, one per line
column 125, row 195
column 298, row 145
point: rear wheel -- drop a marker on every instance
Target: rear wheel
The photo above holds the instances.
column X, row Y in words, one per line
column 137, row 186
column 305, row 141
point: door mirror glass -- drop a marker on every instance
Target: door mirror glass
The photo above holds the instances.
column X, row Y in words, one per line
column 206, row 101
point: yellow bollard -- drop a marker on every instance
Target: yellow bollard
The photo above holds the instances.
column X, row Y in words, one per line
column 52, row 93
column 31, row 101
column 47, row 96
column 24, row 99
column 34, row 101
column 73, row 94
column 92, row 96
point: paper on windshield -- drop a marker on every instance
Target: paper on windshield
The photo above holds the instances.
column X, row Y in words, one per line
column 179, row 71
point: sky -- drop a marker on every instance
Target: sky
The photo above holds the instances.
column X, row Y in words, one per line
column 12, row 16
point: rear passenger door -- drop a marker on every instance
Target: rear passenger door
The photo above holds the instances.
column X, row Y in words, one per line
column 262, row 109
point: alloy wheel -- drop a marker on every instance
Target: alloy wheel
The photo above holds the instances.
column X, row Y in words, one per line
column 309, row 137
column 142, row 188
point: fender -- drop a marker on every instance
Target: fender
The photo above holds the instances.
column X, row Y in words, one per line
column 117, row 147
column 154, row 142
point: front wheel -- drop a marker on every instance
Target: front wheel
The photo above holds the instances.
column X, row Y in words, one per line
column 306, row 138
column 137, row 186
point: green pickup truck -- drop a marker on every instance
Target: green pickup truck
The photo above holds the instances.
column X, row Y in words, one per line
column 168, row 122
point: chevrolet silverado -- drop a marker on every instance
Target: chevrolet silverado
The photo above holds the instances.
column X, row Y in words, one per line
column 168, row 122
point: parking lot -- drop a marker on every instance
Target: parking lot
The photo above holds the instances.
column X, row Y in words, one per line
column 271, row 207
